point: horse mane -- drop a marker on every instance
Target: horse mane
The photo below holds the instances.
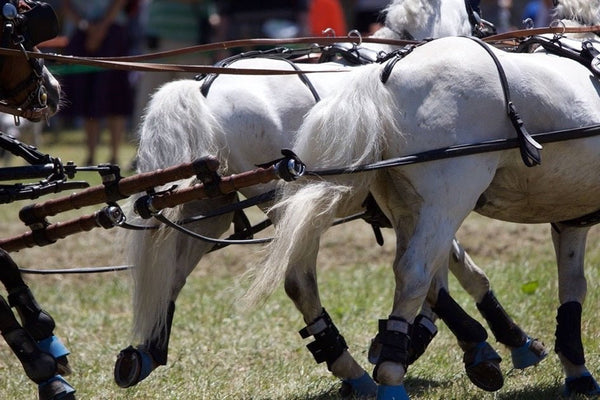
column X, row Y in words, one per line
column 408, row 14
column 587, row 12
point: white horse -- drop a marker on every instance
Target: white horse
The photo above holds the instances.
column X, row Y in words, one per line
column 445, row 93
column 247, row 121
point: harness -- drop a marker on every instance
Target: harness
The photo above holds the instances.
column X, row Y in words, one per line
column 25, row 24
column 587, row 55
column 351, row 53
column 530, row 149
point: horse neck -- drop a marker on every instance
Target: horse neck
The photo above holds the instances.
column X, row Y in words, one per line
column 428, row 18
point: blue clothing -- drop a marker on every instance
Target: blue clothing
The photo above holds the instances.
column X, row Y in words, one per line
column 95, row 10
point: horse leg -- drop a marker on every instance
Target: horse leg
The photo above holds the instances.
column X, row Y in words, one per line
column 414, row 270
column 329, row 345
column 37, row 358
column 569, row 245
column 36, row 321
column 482, row 363
column 159, row 284
column 38, row 365
column 525, row 351
column 425, row 221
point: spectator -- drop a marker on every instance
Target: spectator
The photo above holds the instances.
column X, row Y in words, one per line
column 324, row 14
column 368, row 16
column 244, row 19
column 539, row 11
column 169, row 25
column 99, row 30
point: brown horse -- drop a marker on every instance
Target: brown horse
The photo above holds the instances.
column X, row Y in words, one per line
column 28, row 90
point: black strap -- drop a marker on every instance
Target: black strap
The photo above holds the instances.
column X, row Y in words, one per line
column 329, row 344
column 530, row 149
column 279, row 53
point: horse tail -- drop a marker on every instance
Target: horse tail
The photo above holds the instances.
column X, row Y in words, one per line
column 328, row 137
column 177, row 127
column 304, row 212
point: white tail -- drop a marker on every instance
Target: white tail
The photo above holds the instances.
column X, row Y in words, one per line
column 304, row 212
column 178, row 127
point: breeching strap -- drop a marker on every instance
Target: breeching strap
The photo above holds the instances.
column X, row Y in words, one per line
column 530, row 149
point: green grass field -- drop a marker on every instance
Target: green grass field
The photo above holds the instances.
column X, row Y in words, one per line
column 219, row 352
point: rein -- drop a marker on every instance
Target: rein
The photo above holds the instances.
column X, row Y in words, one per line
column 139, row 62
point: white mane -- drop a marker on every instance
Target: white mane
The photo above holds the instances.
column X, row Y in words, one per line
column 587, row 12
column 428, row 18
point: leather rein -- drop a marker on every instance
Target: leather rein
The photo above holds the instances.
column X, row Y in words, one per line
column 140, row 62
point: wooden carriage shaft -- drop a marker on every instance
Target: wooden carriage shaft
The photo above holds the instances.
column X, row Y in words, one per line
column 125, row 187
column 226, row 185
column 52, row 232
column 61, row 230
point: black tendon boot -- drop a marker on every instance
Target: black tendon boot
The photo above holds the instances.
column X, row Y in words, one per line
column 40, row 325
column 38, row 365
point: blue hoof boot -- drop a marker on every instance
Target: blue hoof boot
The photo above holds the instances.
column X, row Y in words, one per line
column 392, row 393
column 55, row 346
column 531, row 353
column 482, row 365
column 363, row 386
column 132, row 366
column 56, row 388
column 584, row 384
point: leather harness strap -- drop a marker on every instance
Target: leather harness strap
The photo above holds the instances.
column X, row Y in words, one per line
column 137, row 62
column 530, row 149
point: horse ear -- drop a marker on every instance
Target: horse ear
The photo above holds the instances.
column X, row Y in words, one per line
column 40, row 23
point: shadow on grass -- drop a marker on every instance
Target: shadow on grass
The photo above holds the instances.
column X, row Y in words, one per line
column 420, row 387
column 533, row 393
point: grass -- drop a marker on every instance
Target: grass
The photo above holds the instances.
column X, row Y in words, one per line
column 218, row 352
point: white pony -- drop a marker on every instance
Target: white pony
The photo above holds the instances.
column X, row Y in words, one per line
column 246, row 121
column 445, row 93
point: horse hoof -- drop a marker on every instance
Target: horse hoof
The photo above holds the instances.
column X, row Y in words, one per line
column 585, row 384
column 56, row 388
column 531, row 353
column 482, row 365
column 132, row 366
column 361, row 387
column 385, row 392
